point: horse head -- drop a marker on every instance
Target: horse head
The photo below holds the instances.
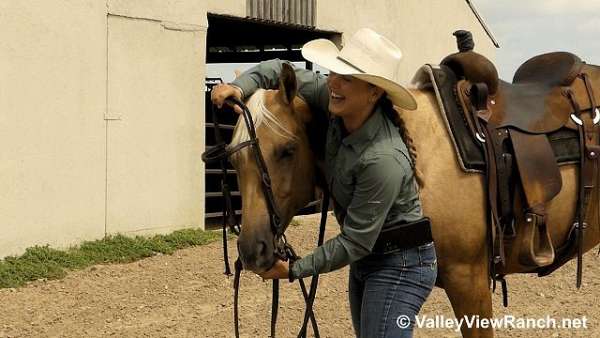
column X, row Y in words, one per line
column 280, row 119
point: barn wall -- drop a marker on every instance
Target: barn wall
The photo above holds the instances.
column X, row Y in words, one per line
column 156, row 95
column 422, row 29
column 228, row 7
column 103, row 106
column 58, row 116
column 52, row 127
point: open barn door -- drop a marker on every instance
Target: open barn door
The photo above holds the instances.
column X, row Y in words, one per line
column 238, row 44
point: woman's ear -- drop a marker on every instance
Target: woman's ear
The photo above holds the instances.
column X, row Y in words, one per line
column 376, row 94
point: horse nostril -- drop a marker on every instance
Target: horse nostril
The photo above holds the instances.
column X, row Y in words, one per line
column 256, row 253
column 262, row 249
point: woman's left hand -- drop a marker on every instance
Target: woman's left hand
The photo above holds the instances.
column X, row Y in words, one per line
column 280, row 270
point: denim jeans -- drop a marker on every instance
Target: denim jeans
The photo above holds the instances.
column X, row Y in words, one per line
column 382, row 288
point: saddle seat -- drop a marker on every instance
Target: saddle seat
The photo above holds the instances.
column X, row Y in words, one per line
column 535, row 102
column 551, row 69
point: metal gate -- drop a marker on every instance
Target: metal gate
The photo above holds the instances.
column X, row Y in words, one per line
column 213, row 204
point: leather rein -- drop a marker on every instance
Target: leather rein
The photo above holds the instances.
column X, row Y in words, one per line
column 221, row 153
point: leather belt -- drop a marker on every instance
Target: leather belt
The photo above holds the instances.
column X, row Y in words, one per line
column 403, row 235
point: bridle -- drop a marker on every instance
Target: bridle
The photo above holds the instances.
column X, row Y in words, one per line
column 283, row 250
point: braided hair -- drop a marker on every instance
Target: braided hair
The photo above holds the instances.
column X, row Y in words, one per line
column 388, row 108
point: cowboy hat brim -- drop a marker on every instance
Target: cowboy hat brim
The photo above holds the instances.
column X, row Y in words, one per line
column 325, row 54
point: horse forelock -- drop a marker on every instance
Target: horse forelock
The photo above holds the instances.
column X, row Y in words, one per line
column 261, row 115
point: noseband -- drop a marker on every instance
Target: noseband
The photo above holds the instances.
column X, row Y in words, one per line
column 221, row 154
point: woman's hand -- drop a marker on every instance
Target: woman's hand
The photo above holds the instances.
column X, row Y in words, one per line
column 280, row 270
column 221, row 92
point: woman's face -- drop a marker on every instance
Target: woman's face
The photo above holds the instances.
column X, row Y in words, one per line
column 349, row 96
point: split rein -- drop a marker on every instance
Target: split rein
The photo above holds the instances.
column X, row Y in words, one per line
column 221, row 153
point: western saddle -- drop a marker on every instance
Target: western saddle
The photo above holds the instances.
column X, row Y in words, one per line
column 511, row 122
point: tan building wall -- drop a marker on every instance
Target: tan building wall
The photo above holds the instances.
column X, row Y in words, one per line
column 422, row 29
column 228, row 7
column 103, row 106
column 101, row 122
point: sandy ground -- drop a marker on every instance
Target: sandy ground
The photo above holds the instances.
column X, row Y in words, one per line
column 187, row 295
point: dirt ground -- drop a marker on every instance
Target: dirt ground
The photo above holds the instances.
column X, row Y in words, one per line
column 187, row 295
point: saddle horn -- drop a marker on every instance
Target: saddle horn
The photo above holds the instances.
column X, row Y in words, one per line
column 471, row 65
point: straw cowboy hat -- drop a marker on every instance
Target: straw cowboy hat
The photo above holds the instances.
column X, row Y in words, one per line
column 368, row 56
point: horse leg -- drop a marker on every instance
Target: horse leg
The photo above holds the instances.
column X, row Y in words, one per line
column 468, row 290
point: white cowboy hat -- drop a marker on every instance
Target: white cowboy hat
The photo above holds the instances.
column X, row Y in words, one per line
column 368, row 56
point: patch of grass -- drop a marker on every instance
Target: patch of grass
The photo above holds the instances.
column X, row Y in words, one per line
column 295, row 222
column 43, row 262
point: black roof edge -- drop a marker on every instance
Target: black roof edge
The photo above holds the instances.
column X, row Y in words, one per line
column 487, row 30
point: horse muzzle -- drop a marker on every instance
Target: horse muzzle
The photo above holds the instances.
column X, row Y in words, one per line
column 256, row 253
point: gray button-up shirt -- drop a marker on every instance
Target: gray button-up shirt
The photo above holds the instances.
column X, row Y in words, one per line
column 369, row 173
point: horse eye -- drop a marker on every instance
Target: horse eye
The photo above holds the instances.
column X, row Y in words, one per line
column 287, row 151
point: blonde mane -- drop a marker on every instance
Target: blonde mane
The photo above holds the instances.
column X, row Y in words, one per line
column 260, row 115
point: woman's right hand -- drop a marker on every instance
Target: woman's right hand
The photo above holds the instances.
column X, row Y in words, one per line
column 221, row 92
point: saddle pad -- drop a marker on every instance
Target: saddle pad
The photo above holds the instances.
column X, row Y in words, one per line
column 564, row 142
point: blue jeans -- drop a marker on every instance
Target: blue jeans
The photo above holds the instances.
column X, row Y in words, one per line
column 383, row 288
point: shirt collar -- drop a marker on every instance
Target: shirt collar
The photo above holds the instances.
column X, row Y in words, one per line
column 361, row 137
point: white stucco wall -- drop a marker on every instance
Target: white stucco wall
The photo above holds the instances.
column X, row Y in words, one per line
column 51, row 122
column 228, row 7
column 422, row 29
column 154, row 173
column 55, row 168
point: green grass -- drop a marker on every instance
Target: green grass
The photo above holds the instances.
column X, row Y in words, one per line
column 295, row 222
column 43, row 262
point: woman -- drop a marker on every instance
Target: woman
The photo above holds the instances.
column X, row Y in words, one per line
column 370, row 165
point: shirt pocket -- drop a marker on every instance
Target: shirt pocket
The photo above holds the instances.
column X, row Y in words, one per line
column 343, row 187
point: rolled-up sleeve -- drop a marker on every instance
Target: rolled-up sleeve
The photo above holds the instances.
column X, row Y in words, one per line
column 312, row 87
column 377, row 187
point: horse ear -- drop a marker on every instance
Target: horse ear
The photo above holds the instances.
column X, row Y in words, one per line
column 287, row 84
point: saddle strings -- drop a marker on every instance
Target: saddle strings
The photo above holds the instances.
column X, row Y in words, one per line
column 595, row 111
column 585, row 187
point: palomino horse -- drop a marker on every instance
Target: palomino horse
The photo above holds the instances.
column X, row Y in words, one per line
column 453, row 199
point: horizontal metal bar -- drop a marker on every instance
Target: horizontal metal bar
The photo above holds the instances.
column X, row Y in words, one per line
column 234, row 57
column 310, row 208
column 220, row 194
column 223, row 126
column 219, row 214
column 218, row 171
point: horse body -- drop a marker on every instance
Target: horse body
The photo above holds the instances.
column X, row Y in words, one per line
column 454, row 200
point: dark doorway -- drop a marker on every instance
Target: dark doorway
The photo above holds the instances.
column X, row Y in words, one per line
column 238, row 43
